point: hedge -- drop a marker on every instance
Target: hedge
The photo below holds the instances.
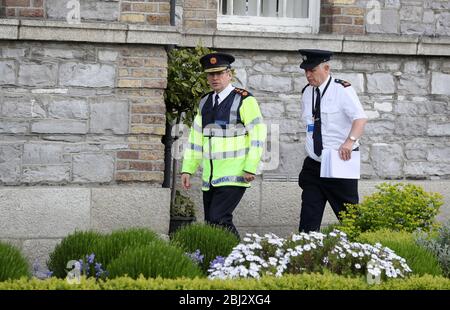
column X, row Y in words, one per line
column 288, row 282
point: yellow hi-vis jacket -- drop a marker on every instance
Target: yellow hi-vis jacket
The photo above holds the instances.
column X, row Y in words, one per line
column 228, row 142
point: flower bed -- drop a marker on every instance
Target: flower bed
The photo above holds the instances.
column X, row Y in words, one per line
column 306, row 253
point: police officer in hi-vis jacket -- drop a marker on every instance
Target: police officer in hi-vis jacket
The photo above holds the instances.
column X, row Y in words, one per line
column 227, row 138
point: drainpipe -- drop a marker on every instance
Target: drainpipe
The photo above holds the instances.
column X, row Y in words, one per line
column 167, row 139
column 173, row 4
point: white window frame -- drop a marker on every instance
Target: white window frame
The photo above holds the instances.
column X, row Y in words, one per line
column 271, row 24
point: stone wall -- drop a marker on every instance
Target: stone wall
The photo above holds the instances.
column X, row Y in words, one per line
column 144, row 11
column 429, row 18
column 81, row 114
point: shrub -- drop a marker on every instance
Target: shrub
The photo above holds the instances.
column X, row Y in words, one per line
column 307, row 253
column 73, row 247
column 12, row 263
column 212, row 241
column 154, row 260
column 439, row 245
column 113, row 244
column 395, row 207
column 403, row 243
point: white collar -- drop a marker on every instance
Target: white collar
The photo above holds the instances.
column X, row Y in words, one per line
column 224, row 93
column 324, row 84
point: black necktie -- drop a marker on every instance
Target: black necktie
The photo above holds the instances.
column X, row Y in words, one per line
column 317, row 133
column 216, row 103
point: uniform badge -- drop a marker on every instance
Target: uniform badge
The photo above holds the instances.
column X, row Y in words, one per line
column 213, row 60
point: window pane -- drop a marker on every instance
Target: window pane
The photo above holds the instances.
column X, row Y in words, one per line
column 252, row 7
column 239, row 7
column 297, row 8
column 269, row 8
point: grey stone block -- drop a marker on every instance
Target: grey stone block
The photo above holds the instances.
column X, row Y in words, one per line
column 387, row 160
column 280, row 203
column 270, row 83
column 7, row 68
column 389, row 23
column 43, row 212
column 411, row 126
column 439, row 84
column 89, row 9
column 109, row 116
column 42, row 153
column 59, row 126
column 120, row 207
column 107, row 55
column 42, row 74
column 90, row 168
column 68, row 108
column 10, row 163
column 22, row 107
column 380, row 83
column 10, row 29
column 13, row 127
column 87, row 75
column 46, row 174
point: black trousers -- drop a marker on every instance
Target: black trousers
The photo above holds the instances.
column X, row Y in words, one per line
column 317, row 191
column 219, row 204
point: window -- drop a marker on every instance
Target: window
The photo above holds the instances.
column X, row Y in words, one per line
column 269, row 15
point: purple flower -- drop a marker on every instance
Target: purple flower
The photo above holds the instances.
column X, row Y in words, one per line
column 196, row 256
column 218, row 260
column 90, row 258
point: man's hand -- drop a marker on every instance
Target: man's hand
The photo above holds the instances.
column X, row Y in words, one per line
column 249, row 177
column 345, row 150
column 186, row 181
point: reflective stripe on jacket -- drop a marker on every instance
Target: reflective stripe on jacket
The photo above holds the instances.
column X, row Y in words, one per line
column 228, row 142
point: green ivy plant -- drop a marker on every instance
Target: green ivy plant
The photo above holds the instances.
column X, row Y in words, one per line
column 186, row 83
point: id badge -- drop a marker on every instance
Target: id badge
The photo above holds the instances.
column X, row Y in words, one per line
column 310, row 127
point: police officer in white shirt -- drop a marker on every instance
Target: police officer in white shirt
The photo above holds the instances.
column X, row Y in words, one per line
column 334, row 119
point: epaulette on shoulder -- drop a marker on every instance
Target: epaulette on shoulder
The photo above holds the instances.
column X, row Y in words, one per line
column 304, row 88
column 244, row 93
column 342, row 82
column 207, row 94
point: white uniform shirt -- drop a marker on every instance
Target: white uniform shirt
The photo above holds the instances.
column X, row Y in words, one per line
column 339, row 107
column 224, row 93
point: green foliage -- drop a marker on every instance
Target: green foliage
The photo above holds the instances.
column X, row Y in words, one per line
column 403, row 243
column 73, row 247
column 12, row 263
column 186, row 83
column 439, row 244
column 114, row 243
column 154, row 260
column 80, row 245
column 395, row 207
column 212, row 241
column 182, row 206
column 288, row 282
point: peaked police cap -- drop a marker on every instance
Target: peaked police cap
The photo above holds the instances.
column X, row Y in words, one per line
column 313, row 58
column 216, row 62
